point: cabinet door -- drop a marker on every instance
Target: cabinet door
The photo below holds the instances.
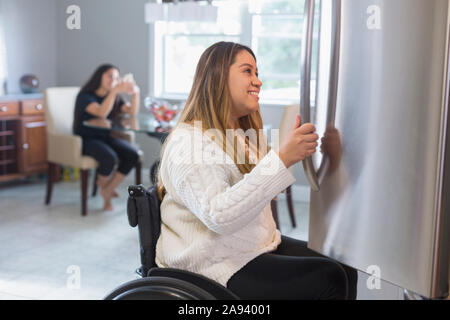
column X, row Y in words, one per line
column 33, row 145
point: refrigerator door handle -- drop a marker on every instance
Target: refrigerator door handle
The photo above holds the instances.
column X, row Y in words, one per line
column 305, row 96
column 315, row 177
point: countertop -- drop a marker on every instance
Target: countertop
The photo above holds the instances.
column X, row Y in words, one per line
column 21, row 96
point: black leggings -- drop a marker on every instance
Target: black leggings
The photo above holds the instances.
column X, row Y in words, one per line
column 111, row 151
column 294, row 272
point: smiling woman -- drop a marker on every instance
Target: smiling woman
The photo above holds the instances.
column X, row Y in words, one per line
column 216, row 218
column 223, row 94
column 244, row 86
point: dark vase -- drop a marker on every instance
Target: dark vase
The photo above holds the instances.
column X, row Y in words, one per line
column 29, row 83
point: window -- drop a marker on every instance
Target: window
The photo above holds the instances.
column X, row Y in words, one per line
column 272, row 28
column 179, row 45
column 3, row 69
column 276, row 40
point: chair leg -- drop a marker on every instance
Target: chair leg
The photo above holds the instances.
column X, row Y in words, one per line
column 50, row 178
column 94, row 188
column 290, row 206
column 138, row 172
column 274, row 205
column 84, row 189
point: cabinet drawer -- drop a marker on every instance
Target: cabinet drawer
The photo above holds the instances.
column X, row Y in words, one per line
column 32, row 107
column 9, row 108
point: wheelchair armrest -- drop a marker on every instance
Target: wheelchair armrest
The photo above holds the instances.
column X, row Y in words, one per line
column 134, row 193
column 132, row 213
column 215, row 288
column 143, row 211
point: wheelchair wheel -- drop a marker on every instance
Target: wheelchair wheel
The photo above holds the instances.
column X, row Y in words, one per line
column 159, row 288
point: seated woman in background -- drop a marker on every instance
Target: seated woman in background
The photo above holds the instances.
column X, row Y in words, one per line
column 100, row 98
column 215, row 211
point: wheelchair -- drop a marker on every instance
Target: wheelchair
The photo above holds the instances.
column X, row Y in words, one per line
column 143, row 210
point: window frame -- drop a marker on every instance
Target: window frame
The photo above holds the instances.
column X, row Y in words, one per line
column 157, row 49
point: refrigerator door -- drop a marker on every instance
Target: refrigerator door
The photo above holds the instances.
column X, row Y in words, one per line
column 381, row 205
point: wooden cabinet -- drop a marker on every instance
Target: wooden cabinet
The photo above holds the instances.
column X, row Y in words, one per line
column 34, row 145
column 23, row 142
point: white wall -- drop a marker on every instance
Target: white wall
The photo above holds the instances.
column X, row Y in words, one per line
column 30, row 39
column 112, row 31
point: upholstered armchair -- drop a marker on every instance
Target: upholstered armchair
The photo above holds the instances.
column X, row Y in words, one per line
column 65, row 148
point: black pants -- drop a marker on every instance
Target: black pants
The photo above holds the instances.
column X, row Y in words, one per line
column 109, row 152
column 294, row 272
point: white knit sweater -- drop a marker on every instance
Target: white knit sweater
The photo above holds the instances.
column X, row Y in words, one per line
column 214, row 219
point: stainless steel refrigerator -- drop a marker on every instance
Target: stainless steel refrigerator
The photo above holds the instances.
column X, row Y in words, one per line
column 375, row 77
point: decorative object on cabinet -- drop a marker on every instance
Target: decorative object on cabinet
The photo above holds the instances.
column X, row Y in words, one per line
column 29, row 83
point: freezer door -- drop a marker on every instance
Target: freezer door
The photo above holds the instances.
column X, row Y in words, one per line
column 380, row 207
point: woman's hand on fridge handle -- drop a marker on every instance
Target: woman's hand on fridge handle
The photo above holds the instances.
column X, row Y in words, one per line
column 299, row 144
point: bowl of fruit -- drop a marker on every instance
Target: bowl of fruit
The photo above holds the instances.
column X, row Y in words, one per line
column 163, row 112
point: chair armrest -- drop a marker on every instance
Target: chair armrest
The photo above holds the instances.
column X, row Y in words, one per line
column 64, row 149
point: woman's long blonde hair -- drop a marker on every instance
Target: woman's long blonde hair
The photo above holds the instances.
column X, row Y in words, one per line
column 210, row 103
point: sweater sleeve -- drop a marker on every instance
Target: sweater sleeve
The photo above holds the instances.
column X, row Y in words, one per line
column 205, row 188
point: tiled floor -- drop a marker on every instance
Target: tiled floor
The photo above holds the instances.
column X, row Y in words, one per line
column 38, row 244
column 44, row 249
